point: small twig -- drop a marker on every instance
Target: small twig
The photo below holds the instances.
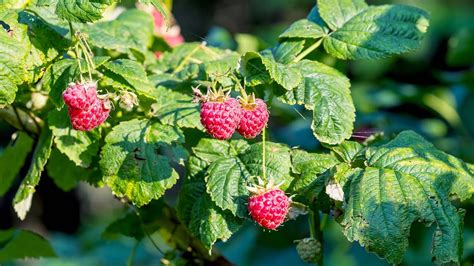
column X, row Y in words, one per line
column 264, row 159
column 142, row 224
column 131, row 258
column 307, row 51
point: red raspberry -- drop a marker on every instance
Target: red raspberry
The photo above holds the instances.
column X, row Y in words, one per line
column 254, row 118
column 79, row 95
column 220, row 118
column 269, row 208
column 86, row 110
column 90, row 118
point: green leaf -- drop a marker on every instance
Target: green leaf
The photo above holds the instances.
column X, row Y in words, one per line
column 287, row 51
column 205, row 220
column 285, row 75
column 349, row 151
column 305, row 29
column 212, row 150
column 50, row 39
column 23, row 244
column 190, row 53
column 13, row 158
column 410, row 154
column 24, row 195
column 176, row 109
column 8, row 91
column 232, row 163
column 133, row 29
column 80, row 10
column 378, row 32
column 337, row 12
column 57, row 78
column 209, row 223
column 406, row 180
column 193, row 188
column 232, row 167
column 133, row 73
column 252, row 68
column 19, row 60
column 309, row 168
column 326, row 92
column 218, row 69
column 227, row 185
column 132, row 163
column 278, row 162
column 64, row 172
column 79, row 146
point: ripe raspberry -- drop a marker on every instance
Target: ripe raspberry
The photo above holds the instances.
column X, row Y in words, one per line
column 86, row 110
column 309, row 249
column 90, row 118
column 220, row 115
column 254, row 117
column 79, row 95
column 269, row 207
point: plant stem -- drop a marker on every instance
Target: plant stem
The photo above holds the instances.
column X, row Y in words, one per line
column 307, row 51
column 314, row 223
column 131, row 258
column 89, row 61
column 264, row 159
column 323, row 221
column 76, row 50
column 186, row 59
column 142, row 224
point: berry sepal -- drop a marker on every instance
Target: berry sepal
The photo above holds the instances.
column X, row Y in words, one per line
column 268, row 205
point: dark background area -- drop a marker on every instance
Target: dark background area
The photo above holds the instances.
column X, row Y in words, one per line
column 426, row 91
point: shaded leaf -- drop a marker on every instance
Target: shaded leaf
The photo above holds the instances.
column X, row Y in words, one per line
column 64, row 172
column 79, row 146
column 24, row 195
column 205, row 220
column 22, row 244
column 176, row 109
column 378, row 31
column 309, row 168
column 406, row 180
column 131, row 161
column 12, row 159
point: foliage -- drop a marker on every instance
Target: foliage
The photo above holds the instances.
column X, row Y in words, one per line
column 387, row 184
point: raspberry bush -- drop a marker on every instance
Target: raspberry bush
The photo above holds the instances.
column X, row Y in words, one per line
column 127, row 104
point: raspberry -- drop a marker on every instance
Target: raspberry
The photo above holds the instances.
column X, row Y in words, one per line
column 220, row 117
column 268, row 207
column 88, row 119
column 86, row 110
column 254, row 117
column 79, row 95
column 309, row 249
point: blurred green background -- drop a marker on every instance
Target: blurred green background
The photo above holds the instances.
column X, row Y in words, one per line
column 430, row 90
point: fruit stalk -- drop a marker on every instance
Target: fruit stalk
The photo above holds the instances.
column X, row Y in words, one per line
column 264, row 159
column 314, row 224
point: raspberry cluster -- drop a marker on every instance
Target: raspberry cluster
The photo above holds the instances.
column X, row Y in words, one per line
column 222, row 115
column 85, row 108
